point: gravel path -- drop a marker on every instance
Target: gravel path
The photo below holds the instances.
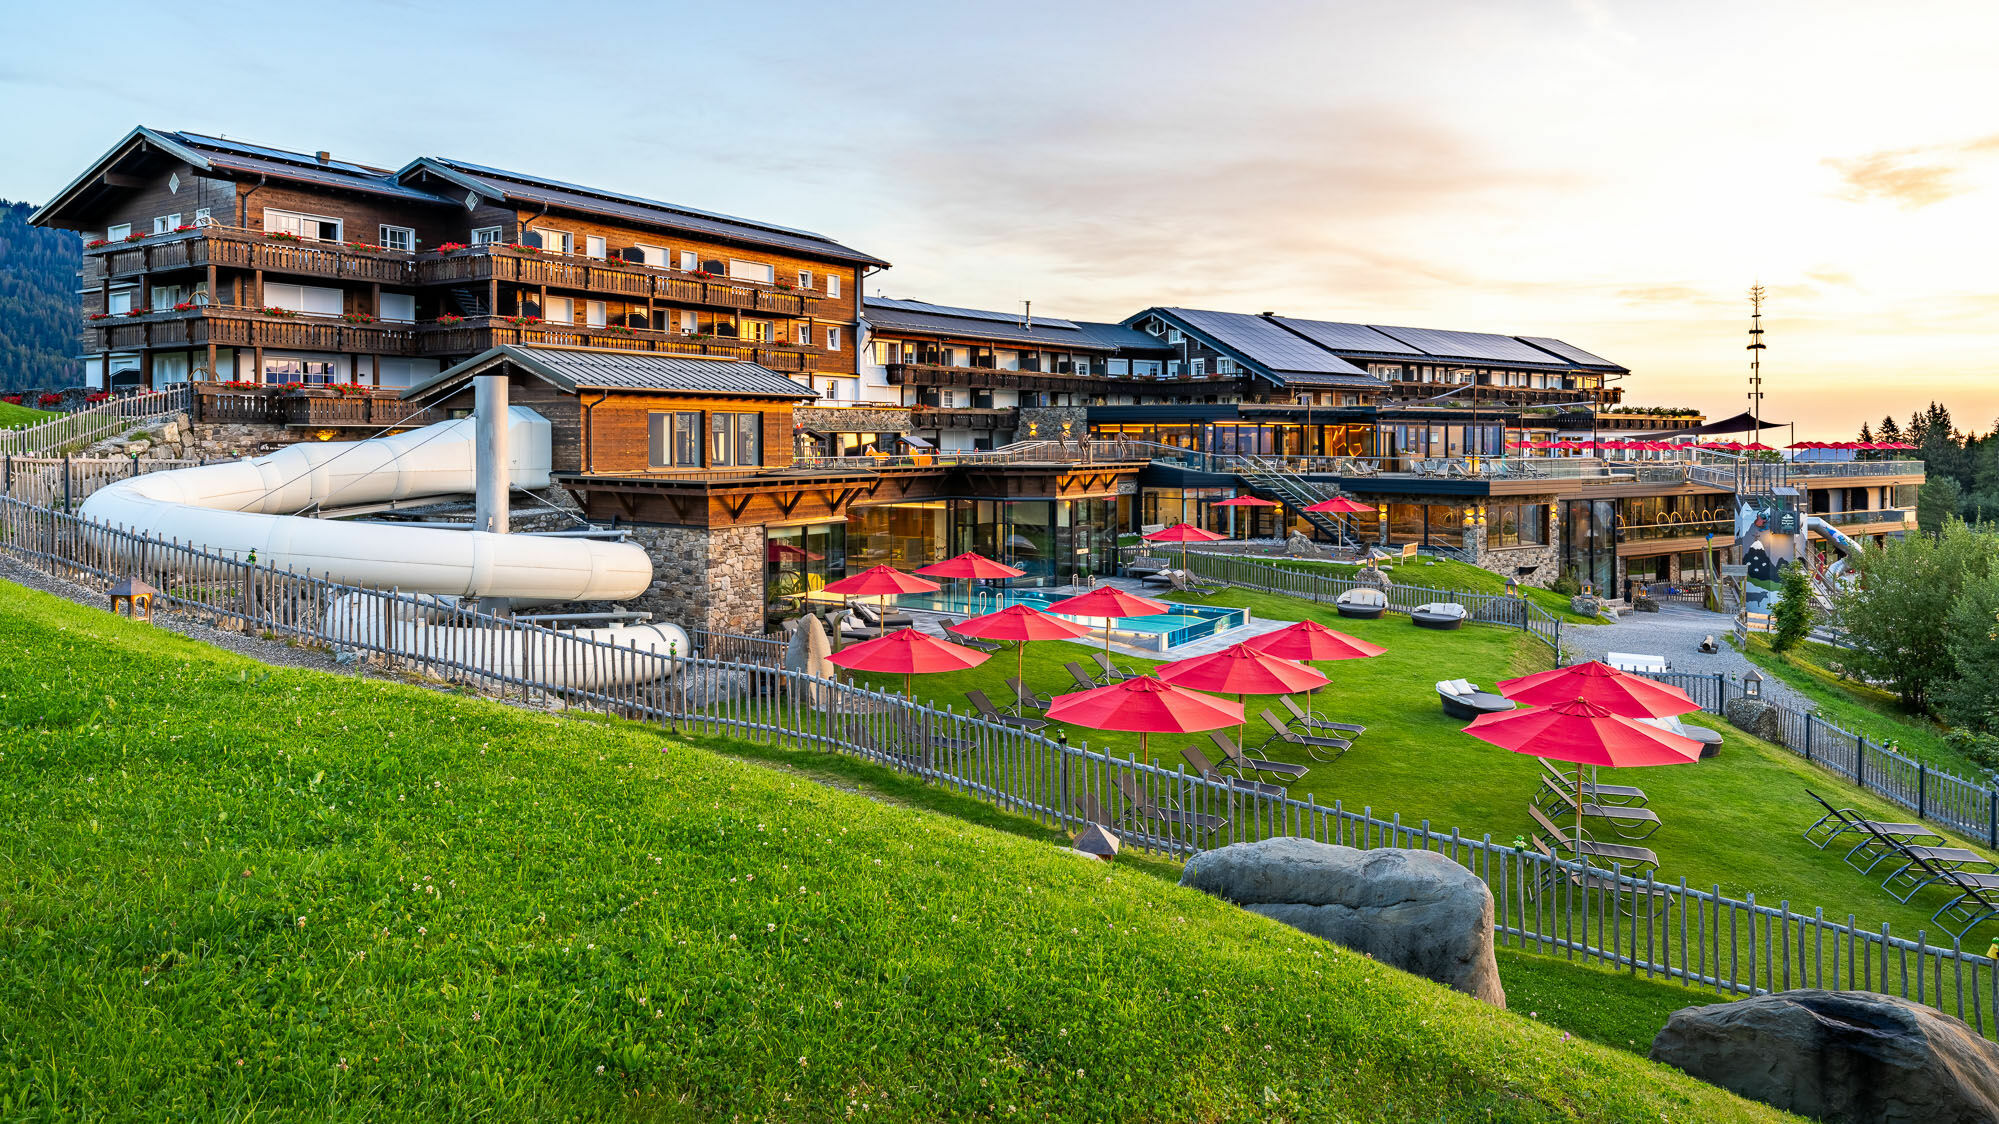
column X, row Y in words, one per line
column 1675, row 632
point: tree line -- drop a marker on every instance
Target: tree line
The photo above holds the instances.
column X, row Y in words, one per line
column 1962, row 468
column 40, row 310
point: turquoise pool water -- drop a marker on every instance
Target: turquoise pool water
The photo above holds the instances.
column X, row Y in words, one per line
column 1162, row 632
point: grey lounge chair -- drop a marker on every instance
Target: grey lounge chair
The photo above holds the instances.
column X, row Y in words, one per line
column 1024, row 699
column 1628, row 823
column 991, row 713
column 1082, row 678
column 1206, row 770
column 1234, row 758
column 1440, row 615
column 1463, row 699
column 1639, row 859
column 952, row 634
column 1622, row 795
column 1312, row 722
column 1112, row 673
column 1625, row 898
column 1876, row 837
column 1312, row 743
column 1136, row 799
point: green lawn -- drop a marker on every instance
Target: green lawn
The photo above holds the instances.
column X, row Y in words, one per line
column 1447, row 574
column 235, row 892
column 14, row 417
column 1857, row 706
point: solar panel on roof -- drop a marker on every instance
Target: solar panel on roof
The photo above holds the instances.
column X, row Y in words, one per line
column 1569, row 351
column 1466, row 345
column 277, row 153
column 1264, row 343
column 624, row 198
column 1347, row 337
column 965, row 313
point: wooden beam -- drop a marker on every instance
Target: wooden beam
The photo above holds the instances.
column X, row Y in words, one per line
column 115, row 179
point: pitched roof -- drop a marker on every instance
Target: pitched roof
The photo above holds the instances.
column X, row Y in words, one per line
column 923, row 318
column 1284, row 356
column 520, row 188
column 589, row 368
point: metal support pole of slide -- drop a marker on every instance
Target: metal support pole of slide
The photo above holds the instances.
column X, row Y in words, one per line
column 489, row 407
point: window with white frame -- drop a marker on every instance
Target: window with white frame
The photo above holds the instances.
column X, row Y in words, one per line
column 832, row 284
column 307, row 228
column 1173, row 368
column 397, row 306
column 688, row 324
column 121, row 301
column 401, row 239
column 597, row 314
column 689, row 261
column 833, row 338
column 313, row 300
column 758, row 330
column 560, row 310
column 655, row 256
column 759, row 271
column 1199, row 367
column 118, row 233
column 805, row 279
column 1225, row 366
column 556, row 241
column 165, row 224
column 485, row 235
column 203, row 217
column 802, row 333
column 1172, row 335
column 832, row 393
column 594, row 246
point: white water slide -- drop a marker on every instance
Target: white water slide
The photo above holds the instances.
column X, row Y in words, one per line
column 247, row 507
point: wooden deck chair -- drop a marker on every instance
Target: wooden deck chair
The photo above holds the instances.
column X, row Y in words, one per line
column 1206, row 770
column 1234, row 758
column 991, row 713
column 1312, row 743
column 1313, row 722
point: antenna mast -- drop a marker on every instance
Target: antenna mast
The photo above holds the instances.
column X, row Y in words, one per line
column 1756, row 348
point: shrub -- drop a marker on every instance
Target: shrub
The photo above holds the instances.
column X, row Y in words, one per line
column 1567, row 585
column 1794, row 612
column 1894, row 612
column 1971, row 635
column 1979, row 748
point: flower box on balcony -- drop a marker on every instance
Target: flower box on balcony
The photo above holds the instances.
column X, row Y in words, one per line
column 281, row 236
column 449, row 247
column 184, row 228
column 448, row 320
column 134, row 236
column 98, row 316
column 357, row 318
column 523, row 321
column 523, row 248
column 138, row 312
column 96, row 243
column 186, row 306
column 280, row 313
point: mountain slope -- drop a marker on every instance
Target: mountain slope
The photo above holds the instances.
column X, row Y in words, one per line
column 40, row 311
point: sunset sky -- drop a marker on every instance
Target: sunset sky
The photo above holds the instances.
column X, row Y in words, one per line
column 1614, row 174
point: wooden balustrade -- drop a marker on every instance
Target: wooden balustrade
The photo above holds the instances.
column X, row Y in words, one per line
column 377, row 408
column 235, row 248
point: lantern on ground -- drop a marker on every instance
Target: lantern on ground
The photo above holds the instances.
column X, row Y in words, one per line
column 133, row 598
column 1098, row 842
column 1752, row 684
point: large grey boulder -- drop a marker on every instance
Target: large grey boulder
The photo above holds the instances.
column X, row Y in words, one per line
column 1839, row 1056
column 1755, row 716
column 1414, row 910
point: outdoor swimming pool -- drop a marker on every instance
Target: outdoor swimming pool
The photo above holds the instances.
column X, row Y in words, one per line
column 1160, row 633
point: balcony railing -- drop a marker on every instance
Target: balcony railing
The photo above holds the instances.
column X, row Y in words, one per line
column 1862, row 518
column 925, row 374
column 236, row 248
column 477, row 334
column 968, row 417
column 634, row 280
column 1666, row 532
column 1856, row 468
column 238, row 326
column 308, row 407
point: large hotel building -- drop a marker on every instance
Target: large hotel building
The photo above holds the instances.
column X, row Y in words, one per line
column 723, row 388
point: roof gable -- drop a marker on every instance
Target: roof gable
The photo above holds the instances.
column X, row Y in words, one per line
column 572, row 369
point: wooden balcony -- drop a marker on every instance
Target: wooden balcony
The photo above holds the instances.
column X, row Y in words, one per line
column 477, row 334
column 308, row 408
column 236, row 326
column 234, row 248
column 971, row 417
column 925, row 374
column 631, row 280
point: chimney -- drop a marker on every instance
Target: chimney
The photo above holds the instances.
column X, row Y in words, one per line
column 1027, row 315
column 323, row 156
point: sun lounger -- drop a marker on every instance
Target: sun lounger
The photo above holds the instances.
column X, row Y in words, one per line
column 991, row 713
column 1206, row 770
column 1463, row 699
column 1082, row 678
column 926, row 735
column 1365, row 604
column 1625, row 896
column 1184, row 581
column 1093, row 812
column 1977, row 900
column 1875, row 838
column 1234, row 758
column 952, row 634
column 1312, row 722
column 872, row 616
column 1112, row 673
column 1139, row 804
column 1628, row 823
column 1440, row 615
column 1024, row 699
column 1312, row 743
column 1637, row 859
column 1622, row 795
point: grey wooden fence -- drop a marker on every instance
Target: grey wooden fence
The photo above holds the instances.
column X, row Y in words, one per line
column 1670, row 931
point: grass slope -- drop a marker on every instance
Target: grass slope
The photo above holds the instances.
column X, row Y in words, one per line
column 14, row 417
column 1807, row 668
column 232, row 892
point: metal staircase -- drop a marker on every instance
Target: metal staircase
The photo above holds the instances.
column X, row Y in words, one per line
column 1270, row 482
column 467, row 302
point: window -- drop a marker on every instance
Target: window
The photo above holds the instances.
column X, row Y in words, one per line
column 398, row 238
column 758, row 330
column 309, row 228
column 832, row 390
column 165, row 224
column 1519, row 524
column 121, row 301
column 1225, row 366
column 557, row 241
column 118, row 233
column 673, row 440
column 689, row 261
column 1172, row 368
column 1173, row 335
column 832, row 284
column 560, row 310
column 805, row 279
column 595, row 247
column 1199, row 367
column 802, row 333
column 688, row 325
column 655, row 256
column 485, row 235
column 597, row 314
column 397, row 306
column 202, row 217
column 281, row 369
column 735, row 439
column 313, row 300
column 740, row 270
column 833, row 338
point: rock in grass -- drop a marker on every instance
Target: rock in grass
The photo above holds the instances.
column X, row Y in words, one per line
column 1839, row 1056
column 1755, row 716
column 1415, row 910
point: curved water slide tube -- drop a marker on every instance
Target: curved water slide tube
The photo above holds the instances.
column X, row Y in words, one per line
column 1847, row 547
column 245, row 508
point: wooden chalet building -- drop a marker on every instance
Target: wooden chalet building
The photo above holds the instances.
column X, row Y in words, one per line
column 213, row 261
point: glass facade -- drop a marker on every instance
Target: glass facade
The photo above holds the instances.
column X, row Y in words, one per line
column 1429, row 524
column 800, row 561
column 1056, row 542
column 1589, row 543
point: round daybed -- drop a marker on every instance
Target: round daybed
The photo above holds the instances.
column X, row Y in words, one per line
column 1364, row 604
column 1710, row 739
column 1443, row 615
column 1464, row 700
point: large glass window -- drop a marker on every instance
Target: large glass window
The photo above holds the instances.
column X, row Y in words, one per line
column 673, row 439
column 1517, row 524
column 799, row 561
column 735, row 439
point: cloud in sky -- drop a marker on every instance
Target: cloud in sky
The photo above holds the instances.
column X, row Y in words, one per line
column 1911, row 177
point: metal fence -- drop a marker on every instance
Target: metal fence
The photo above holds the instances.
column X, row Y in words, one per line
column 93, row 423
column 1970, row 808
column 1265, row 577
column 1700, row 938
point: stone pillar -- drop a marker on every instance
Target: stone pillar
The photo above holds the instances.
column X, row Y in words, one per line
column 706, row 578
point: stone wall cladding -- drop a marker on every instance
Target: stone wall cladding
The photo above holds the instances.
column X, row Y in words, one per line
column 1044, row 423
column 853, row 419
column 704, row 578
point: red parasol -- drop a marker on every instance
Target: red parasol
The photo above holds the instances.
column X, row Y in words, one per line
column 1020, row 623
column 1242, row 671
column 1245, row 501
column 1341, row 505
column 1585, row 733
column 880, row 581
column 1144, row 705
column 972, row 567
column 1629, row 696
column 1310, row 640
column 1107, row 603
column 1183, row 533
column 907, row 652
